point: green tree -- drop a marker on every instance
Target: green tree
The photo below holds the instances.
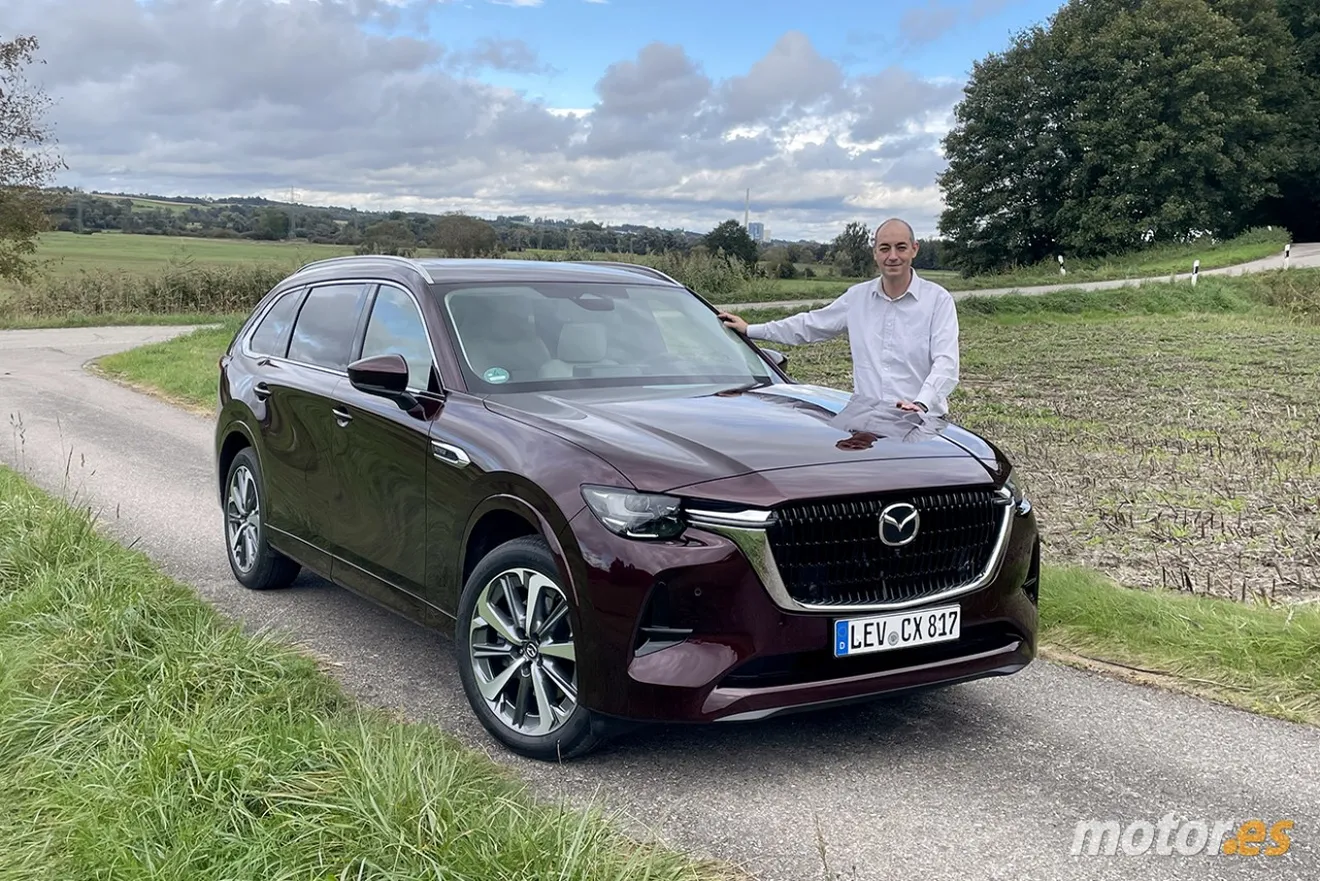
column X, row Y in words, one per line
column 779, row 262
column 26, row 162
column 732, row 239
column 458, row 235
column 388, row 237
column 1003, row 185
column 272, row 224
column 1298, row 204
column 854, row 251
column 1121, row 123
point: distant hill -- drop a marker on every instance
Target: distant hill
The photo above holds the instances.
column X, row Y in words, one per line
column 255, row 217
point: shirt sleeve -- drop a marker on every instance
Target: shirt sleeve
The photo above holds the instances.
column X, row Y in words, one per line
column 943, row 376
column 814, row 326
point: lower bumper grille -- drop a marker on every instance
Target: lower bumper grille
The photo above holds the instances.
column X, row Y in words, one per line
column 831, row 553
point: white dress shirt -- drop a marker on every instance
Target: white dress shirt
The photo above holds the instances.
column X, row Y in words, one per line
column 903, row 349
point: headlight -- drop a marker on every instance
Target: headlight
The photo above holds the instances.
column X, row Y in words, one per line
column 1020, row 501
column 633, row 514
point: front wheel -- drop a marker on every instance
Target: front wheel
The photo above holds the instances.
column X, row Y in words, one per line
column 517, row 654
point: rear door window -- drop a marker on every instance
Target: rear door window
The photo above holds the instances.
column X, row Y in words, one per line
column 326, row 323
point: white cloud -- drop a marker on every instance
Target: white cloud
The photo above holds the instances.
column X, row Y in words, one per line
column 258, row 96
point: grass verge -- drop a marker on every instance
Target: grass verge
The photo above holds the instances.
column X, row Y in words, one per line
column 1153, row 262
column 144, row 737
column 183, row 370
column 1266, row 660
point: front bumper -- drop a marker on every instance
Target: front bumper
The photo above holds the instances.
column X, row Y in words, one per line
column 696, row 630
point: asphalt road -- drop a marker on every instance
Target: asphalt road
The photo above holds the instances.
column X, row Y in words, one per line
column 983, row 781
column 1303, row 256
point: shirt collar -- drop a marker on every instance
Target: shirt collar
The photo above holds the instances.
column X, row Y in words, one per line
column 914, row 287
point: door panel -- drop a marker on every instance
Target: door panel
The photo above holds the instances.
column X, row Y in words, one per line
column 297, row 402
column 381, row 526
column 382, row 469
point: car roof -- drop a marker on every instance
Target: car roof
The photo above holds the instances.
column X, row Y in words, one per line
column 441, row 270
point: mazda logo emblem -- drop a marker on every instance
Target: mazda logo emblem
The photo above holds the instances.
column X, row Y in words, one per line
column 899, row 524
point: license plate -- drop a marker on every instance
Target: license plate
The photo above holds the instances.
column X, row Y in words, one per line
column 882, row 633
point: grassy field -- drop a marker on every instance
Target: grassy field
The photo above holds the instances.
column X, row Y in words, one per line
column 66, row 253
column 144, row 737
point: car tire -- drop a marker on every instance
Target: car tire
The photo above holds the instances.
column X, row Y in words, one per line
column 253, row 561
column 532, row 709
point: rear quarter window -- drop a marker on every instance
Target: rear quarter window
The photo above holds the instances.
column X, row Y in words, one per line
column 272, row 335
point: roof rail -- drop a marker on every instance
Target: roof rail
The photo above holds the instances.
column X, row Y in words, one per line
column 390, row 258
column 632, row 267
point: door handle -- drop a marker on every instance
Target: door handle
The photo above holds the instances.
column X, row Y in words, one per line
column 261, row 390
column 450, row 454
column 342, row 416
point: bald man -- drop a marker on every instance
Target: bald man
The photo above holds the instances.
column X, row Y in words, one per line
column 903, row 330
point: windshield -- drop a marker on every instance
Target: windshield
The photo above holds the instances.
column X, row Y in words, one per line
column 562, row 335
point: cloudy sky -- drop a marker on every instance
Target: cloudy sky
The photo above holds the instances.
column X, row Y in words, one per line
column 660, row 112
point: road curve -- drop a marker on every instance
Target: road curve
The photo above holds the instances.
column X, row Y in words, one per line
column 1302, row 256
column 984, row 781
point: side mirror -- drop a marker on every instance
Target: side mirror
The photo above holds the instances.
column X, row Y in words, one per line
column 385, row 376
column 778, row 358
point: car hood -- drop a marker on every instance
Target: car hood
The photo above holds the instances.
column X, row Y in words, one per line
column 666, row 439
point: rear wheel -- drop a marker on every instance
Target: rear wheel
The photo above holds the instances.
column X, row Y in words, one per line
column 253, row 561
column 517, row 654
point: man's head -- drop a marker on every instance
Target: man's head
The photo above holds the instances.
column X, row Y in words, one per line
column 895, row 247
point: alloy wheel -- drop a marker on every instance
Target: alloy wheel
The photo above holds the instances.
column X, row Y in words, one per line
column 242, row 519
column 522, row 651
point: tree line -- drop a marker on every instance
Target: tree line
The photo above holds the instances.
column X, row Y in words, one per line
column 1124, row 123
column 457, row 235
column 263, row 219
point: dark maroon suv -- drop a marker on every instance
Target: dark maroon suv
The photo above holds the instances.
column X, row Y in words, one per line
column 626, row 511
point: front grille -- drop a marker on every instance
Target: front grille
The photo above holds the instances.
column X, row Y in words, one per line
column 830, row 553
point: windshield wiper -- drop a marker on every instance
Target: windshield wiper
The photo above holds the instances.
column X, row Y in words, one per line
column 745, row 387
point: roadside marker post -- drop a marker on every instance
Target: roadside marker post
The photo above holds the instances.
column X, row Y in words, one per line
column 1287, row 254
column 1196, row 271
column 1062, row 271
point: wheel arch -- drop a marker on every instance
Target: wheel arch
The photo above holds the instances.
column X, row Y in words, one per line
column 503, row 517
column 236, row 437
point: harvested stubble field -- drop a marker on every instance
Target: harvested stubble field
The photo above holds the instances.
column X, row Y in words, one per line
column 1170, row 451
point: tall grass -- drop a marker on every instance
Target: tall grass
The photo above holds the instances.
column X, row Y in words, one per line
column 1296, row 291
column 182, row 287
column 142, row 737
column 707, row 274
